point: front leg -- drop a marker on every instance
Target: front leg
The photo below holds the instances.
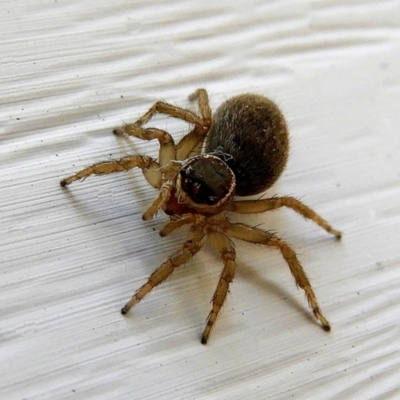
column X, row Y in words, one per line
column 145, row 163
column 163, row 196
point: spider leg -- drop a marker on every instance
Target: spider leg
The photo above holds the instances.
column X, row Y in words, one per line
column 149, row 167
column 167, row 149
column 223, row 245
column 192, row 143
column 163, row 196
column 255, row 235
column 194, row 243
column 167, row 146
column 204, row 106
column 171, row 110
column 257, row 206
column 168, row 174
column 171, row 226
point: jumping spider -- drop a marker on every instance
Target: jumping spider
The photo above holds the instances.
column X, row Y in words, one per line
column 246, row 149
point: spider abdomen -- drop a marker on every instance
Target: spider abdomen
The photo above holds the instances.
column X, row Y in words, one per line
column 250, row 133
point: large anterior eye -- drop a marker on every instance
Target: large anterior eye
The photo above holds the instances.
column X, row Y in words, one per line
column 197, row 189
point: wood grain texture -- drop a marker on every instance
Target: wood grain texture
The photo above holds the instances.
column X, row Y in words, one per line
column 70, row 73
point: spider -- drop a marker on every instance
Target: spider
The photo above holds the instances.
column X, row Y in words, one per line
column 245, row 151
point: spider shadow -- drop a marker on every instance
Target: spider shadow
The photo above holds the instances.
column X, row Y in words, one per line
column 105, row 192
column 250, row 274
column 116, row 217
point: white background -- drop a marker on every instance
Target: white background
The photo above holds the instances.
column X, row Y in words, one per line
column 73, row 70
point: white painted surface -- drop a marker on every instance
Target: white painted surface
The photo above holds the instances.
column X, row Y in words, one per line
column 73, row 70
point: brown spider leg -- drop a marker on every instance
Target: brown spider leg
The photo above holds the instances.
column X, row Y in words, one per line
column 147, row 164
column 167, row 146
column 192, row 143
column 163, row 196
column 168, row 109
column 169, row 173
column 194, row 243
column 222, row 244
column 171, row 226
column 204, row 105
column 255, row 235
column 257, row 206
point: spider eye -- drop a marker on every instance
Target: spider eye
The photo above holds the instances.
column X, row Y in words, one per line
column 206, row 180
column 198, row 190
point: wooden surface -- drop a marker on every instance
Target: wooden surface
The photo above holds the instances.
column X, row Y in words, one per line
column 71, row 71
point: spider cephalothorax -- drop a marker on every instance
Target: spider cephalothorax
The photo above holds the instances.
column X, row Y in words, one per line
column 245, row 152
